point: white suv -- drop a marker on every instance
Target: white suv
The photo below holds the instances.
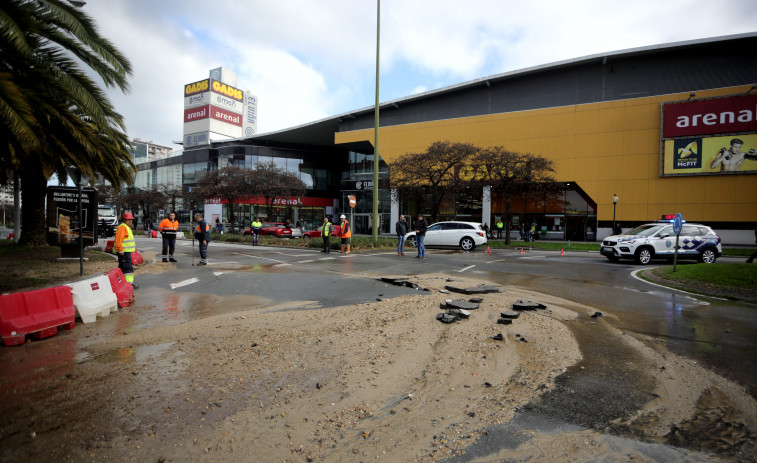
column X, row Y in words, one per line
column 466, row 235
column 645, row 242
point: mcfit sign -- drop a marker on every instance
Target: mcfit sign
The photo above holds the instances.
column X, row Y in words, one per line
column 215, row 109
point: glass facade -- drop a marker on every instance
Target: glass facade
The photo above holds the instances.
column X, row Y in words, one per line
column 357, row 181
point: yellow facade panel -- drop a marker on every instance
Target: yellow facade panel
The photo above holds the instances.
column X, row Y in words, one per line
column 612, row 119
column 689, row 190
column 587, row 169
column 636, row 142
column 587, row 121
column 587, row 145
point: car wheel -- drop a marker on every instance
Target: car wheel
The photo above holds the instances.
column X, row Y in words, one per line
column 467, row 244
column 708, row 256
column 644, row 255
column 305, row 237
column 410, row 241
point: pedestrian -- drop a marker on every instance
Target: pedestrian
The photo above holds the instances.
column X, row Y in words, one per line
column 420, row 235
column 168, row 228
column 345, row 233
column 202, row 235
column 124, row 246
column 256, row 226
column 532, row 233
column 326, row 235
column 219, row 226
column 500, row 227
column 754, row 254
column 401, row 229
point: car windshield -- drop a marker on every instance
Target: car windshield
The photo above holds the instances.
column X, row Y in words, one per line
column 644, row 230
column 106, row 212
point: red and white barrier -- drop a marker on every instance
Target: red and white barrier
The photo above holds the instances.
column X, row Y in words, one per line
column 93, row 297
column 136, row 258
column 38, row 313
column 123, row 290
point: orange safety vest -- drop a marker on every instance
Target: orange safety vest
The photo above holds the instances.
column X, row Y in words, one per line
column 345, row 231
column 167, row 227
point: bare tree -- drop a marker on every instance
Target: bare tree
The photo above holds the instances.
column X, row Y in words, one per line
column 230, row 183
column 428, row 176
column 271, row 182
column 507, row 170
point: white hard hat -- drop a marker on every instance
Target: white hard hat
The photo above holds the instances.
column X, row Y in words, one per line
column 342, row 216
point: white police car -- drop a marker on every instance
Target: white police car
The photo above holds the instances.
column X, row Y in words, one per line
column 651, row 240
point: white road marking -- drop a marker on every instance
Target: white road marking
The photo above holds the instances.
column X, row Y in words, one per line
column 466, row 268
column 184, row 283
column 306, row 261
column 493, row 261
column 282, row 264
column 218, row 274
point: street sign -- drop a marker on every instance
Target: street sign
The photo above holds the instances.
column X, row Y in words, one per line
column 677, row 226
column 353, row 202
column 677, row 223
column 161, row 213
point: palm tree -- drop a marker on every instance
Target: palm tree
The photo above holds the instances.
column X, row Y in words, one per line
column 54, row 116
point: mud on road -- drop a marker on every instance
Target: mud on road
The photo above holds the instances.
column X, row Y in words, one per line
column 376, row 381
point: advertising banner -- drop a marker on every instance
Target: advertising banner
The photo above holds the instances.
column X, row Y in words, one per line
column 224, row 75
column 710, row 155
column 195, row 114
column 196, row 87
column 196, row 139
column 223, row 115
column 734, row 114
column 63, row 224
column 197, row 100
column 250, row 124
column 226, row 90
column 229, row 104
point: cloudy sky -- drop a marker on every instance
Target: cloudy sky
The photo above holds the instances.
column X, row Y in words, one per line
column 308, row 60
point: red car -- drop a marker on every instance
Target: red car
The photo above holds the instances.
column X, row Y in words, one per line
column 317, row 233
column 278, row 230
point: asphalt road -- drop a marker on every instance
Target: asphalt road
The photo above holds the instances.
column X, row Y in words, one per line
column 717, row 333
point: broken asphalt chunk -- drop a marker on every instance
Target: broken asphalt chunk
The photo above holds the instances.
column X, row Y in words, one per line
column 458, row 304
column 462, row 313
column 509, row 314
column 498, row 337
column 527, row 305
column 481, row 289
column 446, row 317
column 504, row 321
column 596, row 315
column 477, row 300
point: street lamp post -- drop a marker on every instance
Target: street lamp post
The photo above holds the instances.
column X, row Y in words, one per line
column 614, row 204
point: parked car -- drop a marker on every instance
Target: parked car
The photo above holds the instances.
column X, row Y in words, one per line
column 317, row 232
column 278, row 230
column 466, row 235
column 651, row 240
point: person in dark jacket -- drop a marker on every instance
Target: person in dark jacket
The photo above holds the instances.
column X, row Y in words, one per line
column 420, row 235
column 401, row 229
column 202, row 235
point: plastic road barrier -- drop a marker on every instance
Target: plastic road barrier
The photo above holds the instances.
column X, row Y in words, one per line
column 124, row 291
column 38, row 313
column 109, row 246
column 136, row 258
column 93, row 297
column 153, row 233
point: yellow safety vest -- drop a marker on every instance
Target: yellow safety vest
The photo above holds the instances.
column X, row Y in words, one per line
column 326, row 229
column 129, row 245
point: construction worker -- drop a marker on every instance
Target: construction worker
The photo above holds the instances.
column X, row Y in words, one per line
column 345, row 233
column 326, row 235
column 202, row 235
column 124, row 246
column 256, row 226
column 500, row 227
column 168, row 228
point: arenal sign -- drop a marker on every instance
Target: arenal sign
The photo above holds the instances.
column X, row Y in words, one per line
column 736, row 114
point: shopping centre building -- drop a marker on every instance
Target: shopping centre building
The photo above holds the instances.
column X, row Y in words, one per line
column 661, row 130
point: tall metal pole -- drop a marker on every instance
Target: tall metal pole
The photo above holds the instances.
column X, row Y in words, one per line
column 376, row 129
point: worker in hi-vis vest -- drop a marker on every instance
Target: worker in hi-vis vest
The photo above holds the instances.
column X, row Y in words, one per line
column 168, row 228
column 345, row 233
column 124, row 246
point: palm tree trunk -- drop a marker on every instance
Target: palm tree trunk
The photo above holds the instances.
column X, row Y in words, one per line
column 33, row 192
